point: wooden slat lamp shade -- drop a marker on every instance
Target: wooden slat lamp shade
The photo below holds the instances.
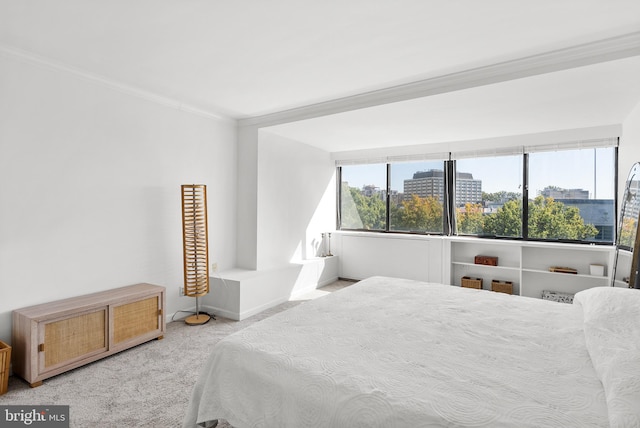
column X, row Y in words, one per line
column 195, row 240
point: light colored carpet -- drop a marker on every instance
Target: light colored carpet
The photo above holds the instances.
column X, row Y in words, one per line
column 146, row 386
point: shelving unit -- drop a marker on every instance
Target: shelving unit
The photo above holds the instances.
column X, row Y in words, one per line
column 463, row 253
column 527, row 264
column 538, row 258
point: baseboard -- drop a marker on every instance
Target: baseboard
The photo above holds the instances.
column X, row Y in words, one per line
column 203, row 308
column 349, row 279
column 240, row 315
column 327, row 282
column 305, row 290
column 256, row 310
column 253, row 311
column 190, row 311
column 212, row 310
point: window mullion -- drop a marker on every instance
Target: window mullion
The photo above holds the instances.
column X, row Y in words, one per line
column 339, row 198
column 525, row 196
column 388, row 192
column 449, row 202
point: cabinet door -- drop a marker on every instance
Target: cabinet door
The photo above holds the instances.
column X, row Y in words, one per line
column 136, row 321
column 63, row 341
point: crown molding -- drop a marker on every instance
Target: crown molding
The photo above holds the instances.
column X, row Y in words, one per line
column 110, row 83
column 624, row 46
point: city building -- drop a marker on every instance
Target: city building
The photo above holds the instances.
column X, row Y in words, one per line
column 558, row 193
column 370, row 190
column 431, row 184
column 598, row 212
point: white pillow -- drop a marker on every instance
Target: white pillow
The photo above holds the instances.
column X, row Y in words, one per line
column 612, row 332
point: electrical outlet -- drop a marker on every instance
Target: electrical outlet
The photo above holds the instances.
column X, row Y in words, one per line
column 214, row 267
column 180, row 291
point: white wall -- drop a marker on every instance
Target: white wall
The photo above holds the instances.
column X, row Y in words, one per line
column 90, row 187
column 296, row 200
column 286, row 201
column 247, row 198
column 364, row 254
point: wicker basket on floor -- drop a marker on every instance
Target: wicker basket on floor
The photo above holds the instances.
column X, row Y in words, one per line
column 5, row 359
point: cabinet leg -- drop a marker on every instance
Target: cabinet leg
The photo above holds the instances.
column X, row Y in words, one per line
column 160, row 337
column 35, row 384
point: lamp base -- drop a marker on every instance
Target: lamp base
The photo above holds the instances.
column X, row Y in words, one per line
column 198, row 319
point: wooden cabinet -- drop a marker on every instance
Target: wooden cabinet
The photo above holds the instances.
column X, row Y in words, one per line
column 51, row 338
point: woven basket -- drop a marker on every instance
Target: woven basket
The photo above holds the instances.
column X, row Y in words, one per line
column 469, row 282
column 5, row 359
column 502, row 286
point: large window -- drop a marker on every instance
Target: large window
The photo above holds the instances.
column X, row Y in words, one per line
column 571, row 195
column 363, row 197
column 566, row 195
column 488, row 197
column 416, row 197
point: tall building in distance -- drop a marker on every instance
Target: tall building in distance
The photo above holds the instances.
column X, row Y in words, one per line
column 370, row 190
column 431, row 184
column 558, row 193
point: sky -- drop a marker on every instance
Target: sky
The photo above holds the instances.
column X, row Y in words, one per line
column 574, row 169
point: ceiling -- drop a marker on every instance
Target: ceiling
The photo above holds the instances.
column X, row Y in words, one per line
column 584, row 97
column 251, row 58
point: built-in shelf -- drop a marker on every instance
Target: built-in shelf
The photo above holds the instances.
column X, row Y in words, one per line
column 527, row 264
column 567, row 275
column 514, row 268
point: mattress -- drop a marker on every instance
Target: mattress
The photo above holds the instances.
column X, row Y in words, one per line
column 389, row 352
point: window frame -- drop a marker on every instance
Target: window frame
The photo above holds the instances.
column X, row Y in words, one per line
column 449, row 212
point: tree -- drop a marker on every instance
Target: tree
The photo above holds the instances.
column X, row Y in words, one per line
column 501, row 196
column 549, row 219
column 470, row 220
column 507, row 221
column 418, row 214
column 362, row 212
column 628, row 232
column 349, row 217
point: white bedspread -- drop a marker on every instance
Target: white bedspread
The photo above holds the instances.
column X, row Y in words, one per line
column 397, row 353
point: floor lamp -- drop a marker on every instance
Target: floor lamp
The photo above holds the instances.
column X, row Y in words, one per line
column 196, row 248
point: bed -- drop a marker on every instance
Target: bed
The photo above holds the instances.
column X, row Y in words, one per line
column 389, row 352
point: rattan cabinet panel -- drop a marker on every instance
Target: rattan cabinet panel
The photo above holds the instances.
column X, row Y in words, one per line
column 72, row 338
column 134, row 320
column 55, row 337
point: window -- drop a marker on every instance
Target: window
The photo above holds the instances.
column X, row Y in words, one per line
column 416, row 197
column 363, row 197
column 550, row 193
column 571, row 195
column 489, row 196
